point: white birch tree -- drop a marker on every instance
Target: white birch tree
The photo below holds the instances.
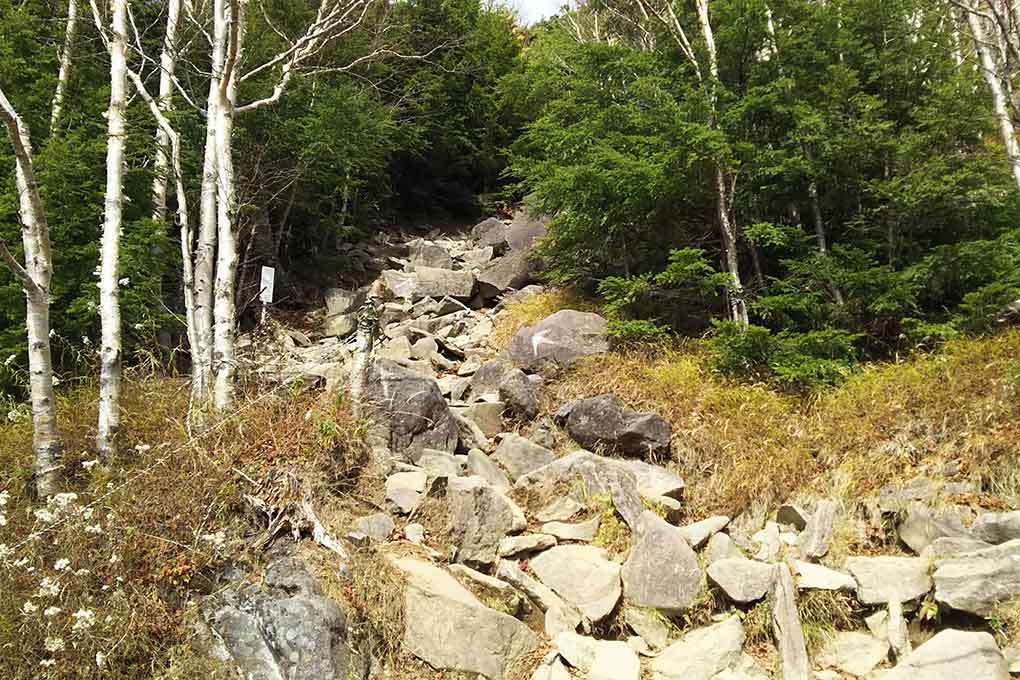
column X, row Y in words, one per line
column 167, row 66
column 66, row 53
column 34, row 277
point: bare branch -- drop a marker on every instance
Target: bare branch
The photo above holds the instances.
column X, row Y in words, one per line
column 26, row 279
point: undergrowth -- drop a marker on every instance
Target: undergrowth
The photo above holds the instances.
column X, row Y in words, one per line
column 100, row 581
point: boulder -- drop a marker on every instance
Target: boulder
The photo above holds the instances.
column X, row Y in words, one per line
column 817, row 577
column 437, row 283
column 488, row 377
column 661, row 571
column 583, row 576
column 480, row 465
column 421, row 253
column 786, row 628
column 652, row 628
column 524, row 230
column 525, row 543
column 561, row 509
column 582, row 531
column 404, row 490
column 343, row 301
column 477, row 257
column 701, row 653
column 409, row 410
column 817, row 534
column 551, row 668
column 519, row 395
column 855, row 653
column 480, row 517
column 376, row 527
column 921, row 526
column 606, row 420
column 509, row 272
column 721, row 547
column 977, row 581
column 491, row 233
column 439, row 464
column 997, row 527
column 401, row 284
column 446, row 626
column 518, row 456
column 599, row 659
column 487, row 415
column 542, row 594
column 699, row 532
column 881, row 579
column 741, row 579
column 281, row 628
column 340, row 325
column 951, row 655
column 655, row 480
column 559, row 340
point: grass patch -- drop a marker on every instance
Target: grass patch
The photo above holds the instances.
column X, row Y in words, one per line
column 613, row 534
column 376, row 595
column 824, row 612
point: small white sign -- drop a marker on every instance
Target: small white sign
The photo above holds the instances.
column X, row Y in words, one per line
column 266, row 289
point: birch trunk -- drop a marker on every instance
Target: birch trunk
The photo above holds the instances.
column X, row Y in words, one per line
column 109, row 277
column 65, row 65
column 35, row 279
column 1001, row 105
column 229, row 29
column 167, row 65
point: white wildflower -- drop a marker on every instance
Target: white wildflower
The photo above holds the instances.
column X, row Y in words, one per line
column 100, row 660
column 125, row 281
column 5, row 496
column 87, row 513
column 10, row 360
column 44, row 515
column 142, row 448
column 83, row 620
column 93, row 529
column 62, row 564
column 82, row 572
column 54, row 644
column 89, row 464
column 29, row 608
column 3, row 520
column 46, row 663
column 62, row 500
column 5, row 552
column 217, row 539
column 50, row 612
column 114, row 558
column 48, row 587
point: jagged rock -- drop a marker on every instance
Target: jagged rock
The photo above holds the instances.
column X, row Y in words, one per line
column 446, row 626
column 741, row 579
column 509, row 272
column 896, row 630
column 488, row 376
column 409, row 410
column 424, row 348
column 655, row 480
column 377, row 527
column 701, row 653
column 769, row 544
column 489, row 585
column 551, row 668
column 599, row 659
column 487, row 415
column 817, row 577
column 421, row 253
column 542, row 594
column 342, row 301
column 606, row 420
column 582, row 531
column 652, row 628
column 786, row 627
column 881, row 579
column 600, row 476
column 975, row 582
column 515, row 545
column 563, row 508
column 662, row 571
column 921, row 526
column 282, row 628
column 480, row 465
column 721, row 547
column 339, row 325
column 519, row 394
column 480, row 516
column 414, row 532
column 699, row 532
column 559, row 340
column 397, row 349
column 670, row 508
column 401, row 284
column 893, row 498
column 855, row 653
column 477, row 257
column 949, row 546
column 814, row 541
column 792, row 514
column 997, row 527
column 491, row 233
column 583, row 575
column 437, row 283
column 438, row 464
column 518, row 456
column 404, row 490
column 524, row 230
column 951, row 655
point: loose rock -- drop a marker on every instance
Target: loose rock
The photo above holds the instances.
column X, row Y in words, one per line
column 814, row 541
column 606, row 420
column 583, row 575
column 480, row 516
column 881, row 579
column 786, row 627
column 518, row 456
column 559, row 340
column 742, row 580
column 952, row 654
column 701, row 653
column 662, row 571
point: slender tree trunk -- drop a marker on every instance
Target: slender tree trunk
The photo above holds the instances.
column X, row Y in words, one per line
column 167, row 65
column 65, row 65
column 999, row 101
column 35, row 279
column 109, row 286
column 230, row 16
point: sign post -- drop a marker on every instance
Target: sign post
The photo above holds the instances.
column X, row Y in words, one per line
column 266, row 288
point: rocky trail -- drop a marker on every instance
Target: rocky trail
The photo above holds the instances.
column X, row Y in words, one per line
column 556, row 547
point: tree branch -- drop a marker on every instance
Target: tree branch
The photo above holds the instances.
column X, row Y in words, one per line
column 26, row 279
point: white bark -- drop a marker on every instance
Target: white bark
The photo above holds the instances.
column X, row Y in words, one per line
column 999, row 101
column 65, row 65
column 109, row 286
column 167, row 65
column 35, row 279
column 229, row 31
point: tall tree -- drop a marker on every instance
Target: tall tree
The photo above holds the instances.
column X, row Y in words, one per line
column 70, row 32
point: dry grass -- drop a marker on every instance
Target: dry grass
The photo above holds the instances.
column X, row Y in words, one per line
column 824, row 612
column 376, row 595
column 144, row 538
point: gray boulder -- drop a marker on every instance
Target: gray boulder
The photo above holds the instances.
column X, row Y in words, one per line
column 977, row 581
column 786, row 628
column 524, row 230
column 519, row 395
column 488, row 377
column 921, row 526
column 817, row 534
column 491, row 233
column 699, row 532
column 281, row 629
column 559, row 340
column 581, row 531
column 525, row 543
column 953, row 655
column 817, row 577
column 480, row 517
column 487, row 415
column 404, row 490
column 518, row 456
column 583, row 576
column 655, row 480
column 376, row 527
column 509, row 272
column 409, row 410
column 701, row 654
column 340, row 325
column 605, row 420
column 741, row 579
column 881, row 579
column 446, row 626
column 437, row 283
column 662, row 571
column 480, row 465
column 852, row 652
column 997, row 527
column 343, row 301
column 421, row 253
